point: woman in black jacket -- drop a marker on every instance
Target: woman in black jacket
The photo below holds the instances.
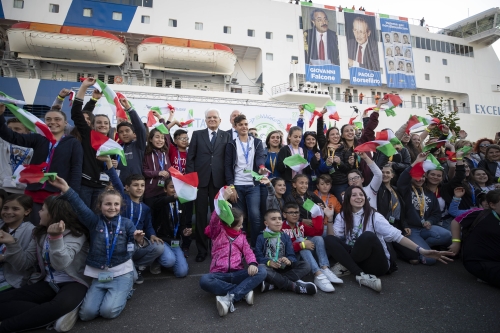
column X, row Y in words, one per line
column 491, row 161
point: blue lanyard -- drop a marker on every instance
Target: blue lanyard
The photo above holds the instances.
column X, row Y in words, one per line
column 247, row 152
column 47, row 259
column 109, row 251
column 15, row 165
column 179, row 162
column 51, row 153
column 474, row 162
column 161, row 161
column 132, row 213
column 176, row 226
column 473, row 190
column 118, row 159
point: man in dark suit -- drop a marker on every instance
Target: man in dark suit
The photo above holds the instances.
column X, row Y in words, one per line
column 322, row 46
column 233, row 134
column 206, row 156
column 362, row 52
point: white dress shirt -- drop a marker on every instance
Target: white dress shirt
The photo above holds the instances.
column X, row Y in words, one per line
column 363, row 50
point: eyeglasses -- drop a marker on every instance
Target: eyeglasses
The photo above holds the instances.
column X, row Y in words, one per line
column 292, row 213
column 484, row 145
column 182, row 139
column 353, row 179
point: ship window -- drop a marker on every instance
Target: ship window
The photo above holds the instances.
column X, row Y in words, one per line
column 147, row 3
column 289, row 38
column 433, row 45
column 447, row 47
column 269, row 56
column 87, row 12
column 168, row 83
column 445, row 62
column 413, row 104
column 117, row 16
column 447, row 79
column 100, row 77
column 417, row 42
column 300, row 22
column 443, row 46
column 438, row 46
column 471, row 51
column 419, row 98
column 427, row 59
column 159, row 83
column 111, row 79
column 145, row 19
column 251, row 33
column 136, row 57
column 428, row 44
column 341, row 29
column 19, row 4
column 172, row 23
column 177, row 84
column 269, row 35
column 427, row 77
column 198, row 25
column 227, row 30
column 462, row 50
column 53, row 8
column 295, row 58
column 452, row 48
column 427, row 101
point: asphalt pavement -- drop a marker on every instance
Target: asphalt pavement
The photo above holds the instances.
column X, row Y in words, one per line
column 441, row 298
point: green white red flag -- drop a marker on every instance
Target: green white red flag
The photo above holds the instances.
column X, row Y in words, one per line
column 33, row 123
column 222, row 207
column 105, row 146
column 186, row 186
column 112, row 99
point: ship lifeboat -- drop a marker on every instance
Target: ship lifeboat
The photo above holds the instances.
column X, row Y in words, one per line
column 185, row 55
column 65, row 44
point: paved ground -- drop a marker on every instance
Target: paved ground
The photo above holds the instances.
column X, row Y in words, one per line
column 443, row 298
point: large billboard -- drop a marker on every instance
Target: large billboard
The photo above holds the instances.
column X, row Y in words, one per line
column 362, row 49
column 321, row 45
column 398, row 53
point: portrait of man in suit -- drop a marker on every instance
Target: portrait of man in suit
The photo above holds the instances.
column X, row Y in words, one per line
column 405, row 39
column 362, row 50
column 320, row 43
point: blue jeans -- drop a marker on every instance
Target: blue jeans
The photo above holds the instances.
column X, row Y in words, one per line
column 107, row 299
column 435, row 236
column 319, row 251
column 174, row 257
column 238, row 283
column 144, row 256
column 89, row 195
column 249, row 203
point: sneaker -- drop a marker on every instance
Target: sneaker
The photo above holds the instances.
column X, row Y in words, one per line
column 249, row 297
column 266, row 286
column 370, row 281
column 140, row 278
column 307, row 288
column 339, row 270
column 66, row 322
column 321, row 281
column 224, row 304
column 155, row 268
column 331, row 277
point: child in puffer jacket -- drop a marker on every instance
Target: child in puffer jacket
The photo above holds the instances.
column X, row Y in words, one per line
column 228, row 278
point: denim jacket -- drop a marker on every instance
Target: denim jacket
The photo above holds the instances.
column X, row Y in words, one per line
column 95, row 223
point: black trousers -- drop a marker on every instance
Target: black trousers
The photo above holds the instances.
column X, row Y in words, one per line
column 488, row 271
column 367, row 255
column 405, row 253
column 282, row 277
column 201, row 205
column 38, row 305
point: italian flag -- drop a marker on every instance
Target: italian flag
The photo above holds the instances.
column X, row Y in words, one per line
column 186, row 186
column 188, row 122
column 452, row 156
column 394, row 100
column 152, row 123
column 384, row 142
column 222, row 208
column 71, row 96
column 389, row 112
column 315, row 210
column 105, row 146
column 437, row 144
column 112, row 98
column 417, row 121
column 331, row 111
column 311, row 113
column 296, row 162
column 6, row 99
column 32, row 122
column 33, row 173
column 419, row 169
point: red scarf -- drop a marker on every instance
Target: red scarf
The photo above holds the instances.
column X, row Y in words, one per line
column 231, row 232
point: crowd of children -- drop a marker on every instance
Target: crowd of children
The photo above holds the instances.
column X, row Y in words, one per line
column 306, row 204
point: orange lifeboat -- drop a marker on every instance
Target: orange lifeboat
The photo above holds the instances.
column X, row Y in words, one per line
column 186, row 55
column 50, row 42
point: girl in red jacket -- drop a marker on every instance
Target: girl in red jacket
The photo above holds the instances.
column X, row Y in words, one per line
column 228, row 278
column 155, row 165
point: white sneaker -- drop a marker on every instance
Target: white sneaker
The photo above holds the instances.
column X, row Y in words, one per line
column 224, row 304
column 371, row 281
column 321, row 281
column 266, row 286
column 331, row 277
column 339, row 270
column 66, row 322
column 249, row 298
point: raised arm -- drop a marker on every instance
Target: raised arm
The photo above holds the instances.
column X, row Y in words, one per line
column 64, row 249
column 140, row 131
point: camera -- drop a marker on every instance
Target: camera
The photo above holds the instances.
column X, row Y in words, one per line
column 355, row 108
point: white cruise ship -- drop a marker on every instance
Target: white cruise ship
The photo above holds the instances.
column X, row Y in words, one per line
column 261, row 57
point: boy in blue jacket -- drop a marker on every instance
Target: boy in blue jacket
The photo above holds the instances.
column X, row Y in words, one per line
column 140, row 215
column 274, row 249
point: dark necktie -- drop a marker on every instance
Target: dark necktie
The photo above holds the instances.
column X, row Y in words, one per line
column 321, row 48
column 214, row 135
column 360, row 55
